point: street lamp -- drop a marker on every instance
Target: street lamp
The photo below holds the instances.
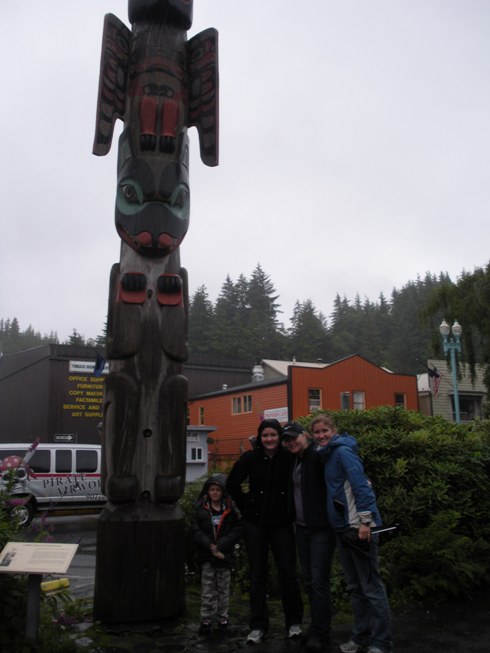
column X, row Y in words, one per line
column 453, row 346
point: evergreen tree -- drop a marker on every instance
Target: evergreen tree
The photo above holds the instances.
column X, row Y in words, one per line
column 13, row 332
column 13, row 339
column 265, row 332
column 229, row 337
column 382, row 329
column 411, row 338
column 343, row 330
column 30, row 338
column 308, row 336
column 245, row 319
column 101, row 340
column 201, row 322
column 241, row 288
column 75, row 339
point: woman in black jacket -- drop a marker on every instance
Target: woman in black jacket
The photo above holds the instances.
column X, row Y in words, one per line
column 315, row 538
column 268, row 512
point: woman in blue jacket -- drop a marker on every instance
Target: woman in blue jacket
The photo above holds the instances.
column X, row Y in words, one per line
column 352, row 512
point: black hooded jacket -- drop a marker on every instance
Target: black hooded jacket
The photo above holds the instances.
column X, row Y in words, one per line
column 269, row 499
column 225, row 535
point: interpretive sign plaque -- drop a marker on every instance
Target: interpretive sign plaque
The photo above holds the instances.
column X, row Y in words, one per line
column 36, row 558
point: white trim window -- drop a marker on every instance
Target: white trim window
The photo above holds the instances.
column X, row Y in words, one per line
column 314, row 399
column 241, row 404
column 358, row 400
column 196, row 454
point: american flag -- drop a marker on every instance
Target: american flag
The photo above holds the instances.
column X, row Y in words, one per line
column 435, row 375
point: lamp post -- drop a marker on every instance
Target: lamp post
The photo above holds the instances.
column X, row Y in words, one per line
column 453, row 345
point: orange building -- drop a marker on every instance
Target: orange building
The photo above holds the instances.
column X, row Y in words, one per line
column 291, row 390
column 352, row 382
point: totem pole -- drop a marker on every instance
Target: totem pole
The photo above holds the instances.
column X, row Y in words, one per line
column 159, row 84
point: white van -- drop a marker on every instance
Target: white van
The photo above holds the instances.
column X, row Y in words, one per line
column 55, row 476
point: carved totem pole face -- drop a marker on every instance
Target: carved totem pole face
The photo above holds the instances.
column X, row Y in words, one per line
column 152, row 204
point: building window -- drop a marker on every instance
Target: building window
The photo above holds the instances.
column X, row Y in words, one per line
column 358, row 400
column 201, row 415
column 345, row 401
column 400, row 399
column 196, row 454
column 470, row 407
column 241, row 404
column 314, row 399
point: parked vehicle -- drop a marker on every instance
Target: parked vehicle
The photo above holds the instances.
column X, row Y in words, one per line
column 52, row 477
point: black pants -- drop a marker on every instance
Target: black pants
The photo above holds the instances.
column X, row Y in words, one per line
column 258, row 540
column 315, row 550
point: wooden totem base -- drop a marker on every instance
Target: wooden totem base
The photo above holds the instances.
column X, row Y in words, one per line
column 139, row 571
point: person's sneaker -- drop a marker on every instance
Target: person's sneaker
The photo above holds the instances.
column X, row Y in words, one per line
column 255, row 636
column 204, row 628
column 223, row 625
column 294, row 631
column 351, row 647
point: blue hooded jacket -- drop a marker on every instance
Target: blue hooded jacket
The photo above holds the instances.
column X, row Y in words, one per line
column 350, row 496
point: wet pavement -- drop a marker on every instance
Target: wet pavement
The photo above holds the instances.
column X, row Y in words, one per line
column 460, row 626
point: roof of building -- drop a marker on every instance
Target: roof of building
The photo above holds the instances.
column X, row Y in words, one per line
column 281, row 367
column 225, row 390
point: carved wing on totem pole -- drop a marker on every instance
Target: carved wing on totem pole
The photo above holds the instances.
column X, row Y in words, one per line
column 202, row 78
column 114, row 64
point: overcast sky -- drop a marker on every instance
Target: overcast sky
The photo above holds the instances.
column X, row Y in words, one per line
column 354, row 153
